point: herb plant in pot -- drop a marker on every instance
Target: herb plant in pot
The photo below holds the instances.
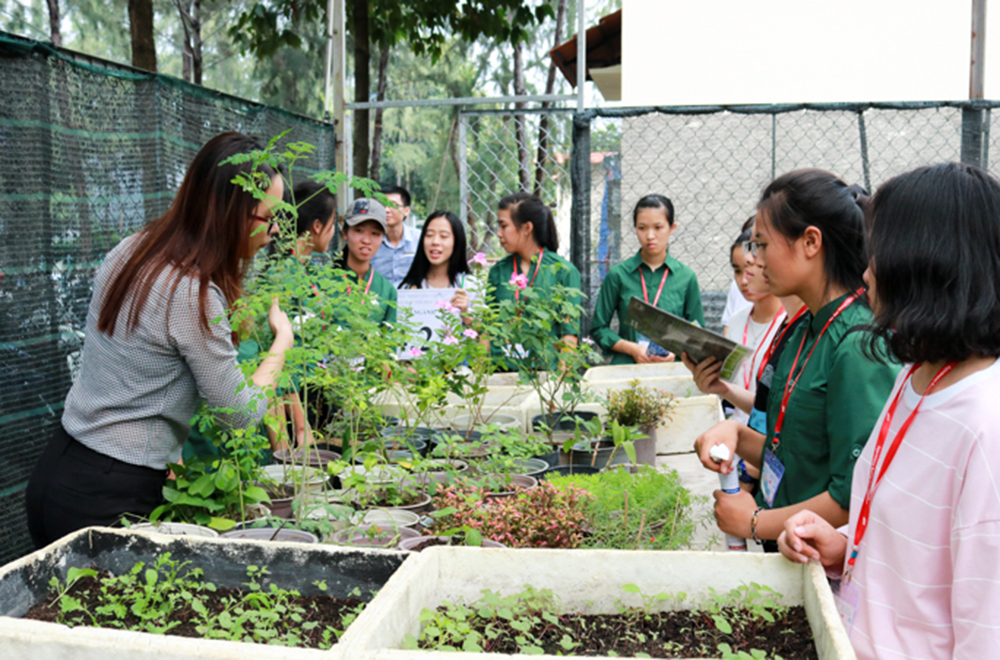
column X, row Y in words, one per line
column 642, row 407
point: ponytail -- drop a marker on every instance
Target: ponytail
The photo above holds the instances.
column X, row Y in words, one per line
column 532, row 209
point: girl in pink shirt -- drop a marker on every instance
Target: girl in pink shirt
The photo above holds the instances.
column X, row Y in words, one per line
column 917, row 568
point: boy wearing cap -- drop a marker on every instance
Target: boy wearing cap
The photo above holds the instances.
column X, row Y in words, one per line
column 364, row 227
column 400, row 242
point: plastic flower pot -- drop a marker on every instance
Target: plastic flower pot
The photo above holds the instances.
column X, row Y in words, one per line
column 24, row 582
column 596, row 454
column 414, row 545
column 283, row 534
column 442, row 471
column 464, row 422
column 372, row 536
column 316, row 458
column 176, row 529
column 566, row 422
column 565, row 470
column 531, row 467
column 513, row 483
column 390, row 517
column 448, row 436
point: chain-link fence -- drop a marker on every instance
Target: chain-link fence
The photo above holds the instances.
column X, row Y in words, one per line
column 494, row 161
column 91, row 151
column 714, row 162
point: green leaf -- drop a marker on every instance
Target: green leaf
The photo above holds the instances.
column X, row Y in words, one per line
column 151, row 576
column 204, row 486
column 722, row 625
column 631, row 588
column 255, row 494
column 532, row 650
column 221, row 524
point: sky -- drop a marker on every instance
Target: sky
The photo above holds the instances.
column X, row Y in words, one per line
column 685, row 52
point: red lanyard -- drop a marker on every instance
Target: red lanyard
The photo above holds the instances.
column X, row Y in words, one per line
column 748, row 369
column 777, row 341
column 642, row 278
column 371, row 274
column 517, row 271
column 873, row 479
column 791, row 383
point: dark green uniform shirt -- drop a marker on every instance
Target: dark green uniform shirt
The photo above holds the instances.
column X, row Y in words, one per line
column 381, row 290
column 548, row 277
column 832, row 409
column 681, row 296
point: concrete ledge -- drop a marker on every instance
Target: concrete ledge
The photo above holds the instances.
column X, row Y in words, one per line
column 640, row 371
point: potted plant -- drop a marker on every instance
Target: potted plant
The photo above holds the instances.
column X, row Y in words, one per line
column 642, row 407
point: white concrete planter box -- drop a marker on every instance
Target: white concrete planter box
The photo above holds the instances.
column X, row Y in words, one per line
column 689, row 418
column 586, row 581
column 640, row 371
column 679, row 386
column 292, row 565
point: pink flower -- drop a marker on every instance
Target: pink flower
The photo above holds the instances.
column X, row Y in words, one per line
column 415, row 352
column 520, row 280
column 446, row 306
column 451, row 340
column 479, row 260
column 470, row 333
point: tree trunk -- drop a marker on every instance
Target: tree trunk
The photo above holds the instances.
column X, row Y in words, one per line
column 383, row 64
column 543, row 122
column 520, row 134
column 362, row 85
column 140, row 16
column 191, row 22
column 55, row 35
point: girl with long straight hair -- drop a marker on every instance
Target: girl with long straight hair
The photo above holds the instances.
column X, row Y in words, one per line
column 158, row 341
column 827, row 389
column 441, row 261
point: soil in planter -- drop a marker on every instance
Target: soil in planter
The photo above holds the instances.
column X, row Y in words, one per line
column 429, row 542
column 234, row 612
column 672, row 634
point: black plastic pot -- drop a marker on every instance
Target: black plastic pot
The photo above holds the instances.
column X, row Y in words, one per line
column 564, row 470
column 565, row 423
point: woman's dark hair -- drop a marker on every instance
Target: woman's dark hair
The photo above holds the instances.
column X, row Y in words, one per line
column 459, row 255
column 316, row 202
column 654, row 202
column 935, row 246
column 740, row 240
column 526, row 208
column 205, row 234
column 814, row 198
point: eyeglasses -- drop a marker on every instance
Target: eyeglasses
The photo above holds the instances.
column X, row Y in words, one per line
column 270, row 222
column 751, row 247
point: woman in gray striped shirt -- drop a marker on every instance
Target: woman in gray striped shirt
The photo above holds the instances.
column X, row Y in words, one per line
column 159, row 341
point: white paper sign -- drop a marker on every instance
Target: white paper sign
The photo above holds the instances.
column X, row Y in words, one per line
column 423, row 306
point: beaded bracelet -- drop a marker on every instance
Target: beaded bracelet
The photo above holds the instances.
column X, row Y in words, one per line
column 753, row 525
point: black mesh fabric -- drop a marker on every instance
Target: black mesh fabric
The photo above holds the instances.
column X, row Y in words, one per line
column 92, row 151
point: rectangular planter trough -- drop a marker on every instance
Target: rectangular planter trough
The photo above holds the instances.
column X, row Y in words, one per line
column 291, row 566
column 586, row 581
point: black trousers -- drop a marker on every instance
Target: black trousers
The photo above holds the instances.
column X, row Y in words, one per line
column 74, row 487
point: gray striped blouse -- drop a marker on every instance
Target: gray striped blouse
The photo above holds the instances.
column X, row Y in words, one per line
column 137, row 390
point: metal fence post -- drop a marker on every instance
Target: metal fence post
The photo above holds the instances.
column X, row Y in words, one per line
column 863, row 135
column 580, row 215
column 463, row 169
column 972, row 136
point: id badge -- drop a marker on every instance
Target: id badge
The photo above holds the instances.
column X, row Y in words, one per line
column 770, row 476
column 846, row 597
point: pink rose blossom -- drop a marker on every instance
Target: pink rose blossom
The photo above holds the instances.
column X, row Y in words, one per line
column 415, row 352
column 470, row 333
column 479, row 259
column 451, row 340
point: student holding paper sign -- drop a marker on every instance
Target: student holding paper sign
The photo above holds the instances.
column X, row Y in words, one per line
column 440, row 261
column 827, row 390
column 651, row 275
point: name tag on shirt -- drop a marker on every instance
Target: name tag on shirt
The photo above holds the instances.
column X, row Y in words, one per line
column 846, row 596
column 770, row 476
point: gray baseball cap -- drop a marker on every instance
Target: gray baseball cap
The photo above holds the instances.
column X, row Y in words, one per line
column 365, row 209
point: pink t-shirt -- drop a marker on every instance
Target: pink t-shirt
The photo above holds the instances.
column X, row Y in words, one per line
column 928, row 570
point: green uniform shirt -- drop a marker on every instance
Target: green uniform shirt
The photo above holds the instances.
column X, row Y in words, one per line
column 832, row 409
column 681, row 296
column 567, row 275
column 382, row 290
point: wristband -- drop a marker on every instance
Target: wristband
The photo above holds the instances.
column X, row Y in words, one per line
column 745, row 477
column 753, row 525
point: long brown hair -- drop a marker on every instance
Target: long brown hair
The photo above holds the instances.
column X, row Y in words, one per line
column 204, row 234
